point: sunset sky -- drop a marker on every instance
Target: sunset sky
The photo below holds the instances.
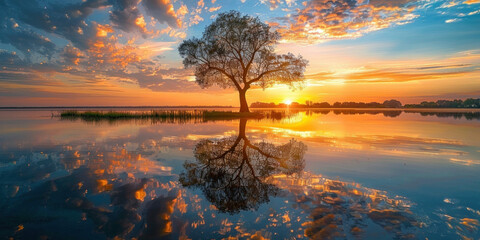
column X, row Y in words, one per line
column 125, row 52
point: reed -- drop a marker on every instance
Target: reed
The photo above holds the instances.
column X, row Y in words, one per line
column 157, row 115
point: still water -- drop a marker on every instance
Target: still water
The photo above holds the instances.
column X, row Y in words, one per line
column 314, row 174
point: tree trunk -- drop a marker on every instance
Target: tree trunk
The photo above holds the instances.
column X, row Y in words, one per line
column 243, row 101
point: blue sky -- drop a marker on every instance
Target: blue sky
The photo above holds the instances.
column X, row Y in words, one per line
column 124, row 52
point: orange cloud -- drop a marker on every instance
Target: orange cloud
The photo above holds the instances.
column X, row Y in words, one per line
column 103, row 30
column 163, row 11
column 322, row 20
column 472, row 1
column 272, row 3
column 385, row 75
column 463, row 64
column 213, row 9
column 72, row 55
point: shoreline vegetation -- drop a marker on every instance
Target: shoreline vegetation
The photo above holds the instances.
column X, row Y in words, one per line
column 119, row 107
column 457, row 103
column 173, row 116
column 199, row 116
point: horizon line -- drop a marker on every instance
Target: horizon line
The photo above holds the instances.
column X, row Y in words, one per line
column 141, row 106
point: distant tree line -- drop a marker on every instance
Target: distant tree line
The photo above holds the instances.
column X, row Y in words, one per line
column 309, row 104
column 457, row 103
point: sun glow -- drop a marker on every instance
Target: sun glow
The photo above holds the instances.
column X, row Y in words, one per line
column 288, row 101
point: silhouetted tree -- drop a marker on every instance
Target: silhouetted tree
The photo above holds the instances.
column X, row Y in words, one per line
column 232, row 171
column 238, row 51
column 392, row 104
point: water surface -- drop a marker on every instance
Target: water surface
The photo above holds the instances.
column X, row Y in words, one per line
column 315, row 174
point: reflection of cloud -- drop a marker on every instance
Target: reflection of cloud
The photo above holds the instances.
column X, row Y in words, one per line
column 104, row 171
column 397, row 145
column 158, row 222
column 114, row 180
column 465, row 227
column 330, row 203
column 402, row 140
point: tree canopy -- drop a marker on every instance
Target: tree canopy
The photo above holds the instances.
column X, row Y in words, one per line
column 239, row 51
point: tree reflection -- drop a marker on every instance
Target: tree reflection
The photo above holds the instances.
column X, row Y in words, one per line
column 232, row 171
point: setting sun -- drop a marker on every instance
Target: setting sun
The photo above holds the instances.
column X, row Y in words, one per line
column 288, row 101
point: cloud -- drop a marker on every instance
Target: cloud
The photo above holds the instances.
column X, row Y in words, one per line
column 23, row 39
column 127, row 17
column 474, row 12
column 290, row 2
column 162, row 11
column 166, row 80
column 69, row 20
column 196, row 19
column 65, row 20
column 18, row 72
column 213, row 9
column 322, row 20
column 320, row 76
column 472, row 2
column 27, row 41
column 463, row 64
column 21, row 78
column 457, row 9
column 452, row 20
column 90, row 55
column 182, row 10
column 465, row 162
column 105, row 63
column 10, row 60
column 72, row 55
column 390, row 75
column 273, row 4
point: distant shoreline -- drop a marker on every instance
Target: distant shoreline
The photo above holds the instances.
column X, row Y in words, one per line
column 386, row 109
column 113, row 107
column 219, row 107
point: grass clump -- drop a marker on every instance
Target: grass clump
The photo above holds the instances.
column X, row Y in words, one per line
column 171, row 116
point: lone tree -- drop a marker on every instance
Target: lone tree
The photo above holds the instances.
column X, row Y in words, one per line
column 238, row 51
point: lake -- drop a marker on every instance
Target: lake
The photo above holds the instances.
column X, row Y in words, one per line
column 323, row 174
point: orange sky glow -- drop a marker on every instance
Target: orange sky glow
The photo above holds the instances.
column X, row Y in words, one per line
column 403, row 50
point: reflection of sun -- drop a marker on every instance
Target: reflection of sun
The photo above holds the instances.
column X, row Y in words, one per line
column 288, row 101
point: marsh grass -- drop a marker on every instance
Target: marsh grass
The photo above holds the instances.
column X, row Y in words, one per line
column 160, row 116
